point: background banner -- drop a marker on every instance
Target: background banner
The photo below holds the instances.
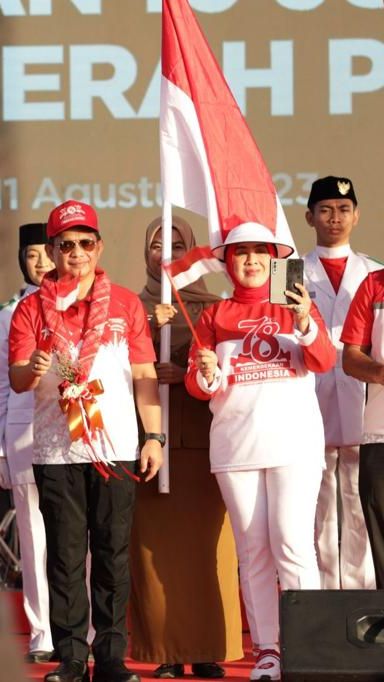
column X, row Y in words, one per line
column 80, row 104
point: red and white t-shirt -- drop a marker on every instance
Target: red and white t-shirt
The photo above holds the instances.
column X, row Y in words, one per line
column 364, row 326
column 126, row 340
column 263, row 400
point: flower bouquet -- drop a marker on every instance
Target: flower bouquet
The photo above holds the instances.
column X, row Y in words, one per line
column 79, row 403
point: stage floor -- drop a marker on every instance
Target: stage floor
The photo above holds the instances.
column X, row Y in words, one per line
column 235, row 670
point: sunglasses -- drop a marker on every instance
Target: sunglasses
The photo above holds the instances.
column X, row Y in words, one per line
column 68, row 245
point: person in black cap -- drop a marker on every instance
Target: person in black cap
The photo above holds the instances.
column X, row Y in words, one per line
column 16, row 438
column 334, row 272
column 30, row 235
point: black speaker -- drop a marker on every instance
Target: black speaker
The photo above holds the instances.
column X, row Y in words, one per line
column 333, row 635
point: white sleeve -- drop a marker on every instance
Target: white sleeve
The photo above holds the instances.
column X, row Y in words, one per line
column 5, row 320
column 310, row 336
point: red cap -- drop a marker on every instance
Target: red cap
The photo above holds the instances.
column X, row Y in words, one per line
column 71, row 214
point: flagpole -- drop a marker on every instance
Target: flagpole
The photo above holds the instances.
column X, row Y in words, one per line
column 165, row 343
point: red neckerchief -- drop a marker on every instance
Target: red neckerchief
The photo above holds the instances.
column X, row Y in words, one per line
column 98, row 315
column 335, row 268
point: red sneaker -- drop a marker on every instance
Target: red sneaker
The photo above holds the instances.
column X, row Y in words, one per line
column 267, row 666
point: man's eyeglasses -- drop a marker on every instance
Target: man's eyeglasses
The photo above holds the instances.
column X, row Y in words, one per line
column 68, row 245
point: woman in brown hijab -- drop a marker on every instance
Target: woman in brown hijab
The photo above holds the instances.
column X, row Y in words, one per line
column 185, row 599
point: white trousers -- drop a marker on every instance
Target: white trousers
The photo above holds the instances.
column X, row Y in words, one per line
column 31, row 532
column 342, row 544
column 272, row 512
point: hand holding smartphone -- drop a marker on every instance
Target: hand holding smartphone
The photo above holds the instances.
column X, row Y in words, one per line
column 284, row 273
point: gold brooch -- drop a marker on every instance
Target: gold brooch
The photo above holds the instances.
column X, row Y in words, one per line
column 343, row 187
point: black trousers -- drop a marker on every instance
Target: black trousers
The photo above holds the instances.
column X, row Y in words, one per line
column 77, row 503
column 371, row 489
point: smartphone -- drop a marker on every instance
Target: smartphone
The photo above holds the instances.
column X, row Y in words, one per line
column 284, row 273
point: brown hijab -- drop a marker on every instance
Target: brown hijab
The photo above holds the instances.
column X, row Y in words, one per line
column 195, row 296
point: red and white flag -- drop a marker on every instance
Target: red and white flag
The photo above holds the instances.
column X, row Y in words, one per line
column 210, row 163
column 67, row 291
column 197, row 262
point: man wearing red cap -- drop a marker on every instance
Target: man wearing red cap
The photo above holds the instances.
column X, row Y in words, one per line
column 83, row 345
column 334, row 273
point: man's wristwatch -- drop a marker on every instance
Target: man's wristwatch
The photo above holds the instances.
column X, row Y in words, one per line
column 155, row 436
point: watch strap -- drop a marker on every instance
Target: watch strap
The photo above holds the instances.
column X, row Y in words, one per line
column 155, row 436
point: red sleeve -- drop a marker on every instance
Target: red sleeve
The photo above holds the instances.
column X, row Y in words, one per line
column 23, row 331
column 319, row 356
column 359, row 321
column 139, row 335
column 206, row 333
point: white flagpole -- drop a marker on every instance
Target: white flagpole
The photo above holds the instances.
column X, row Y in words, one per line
column 165, row 342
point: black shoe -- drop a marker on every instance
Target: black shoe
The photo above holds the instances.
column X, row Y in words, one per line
column 113, row 671
column 210, row 671
column 169, row 671
column 69, row 670
column 39, row 656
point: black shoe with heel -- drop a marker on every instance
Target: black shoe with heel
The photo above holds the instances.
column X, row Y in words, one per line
column 210, row 671
column 169, row 671
column 40, row 656
column 113, row 671
column 69, row 670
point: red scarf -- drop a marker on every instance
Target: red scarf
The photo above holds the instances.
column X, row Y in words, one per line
column 98, row 314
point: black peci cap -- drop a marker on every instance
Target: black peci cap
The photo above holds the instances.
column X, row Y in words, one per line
column 30, row 233
column 331, row 187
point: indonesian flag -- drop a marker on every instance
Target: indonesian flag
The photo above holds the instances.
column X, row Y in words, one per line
column 210, row 163
column 197, row 262
column 67, row 291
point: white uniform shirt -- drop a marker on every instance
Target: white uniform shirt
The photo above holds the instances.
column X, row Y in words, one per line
column 16, row 410
column 341, row 397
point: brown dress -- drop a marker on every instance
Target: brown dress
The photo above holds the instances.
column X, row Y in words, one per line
column 185, row 593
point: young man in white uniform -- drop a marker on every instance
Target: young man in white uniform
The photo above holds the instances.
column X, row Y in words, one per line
column 16, row 441
column 333, row 273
